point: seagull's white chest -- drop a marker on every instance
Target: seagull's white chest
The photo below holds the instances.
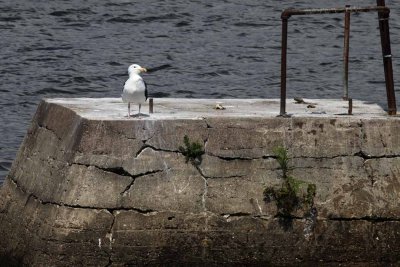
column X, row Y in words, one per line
column 134, row 90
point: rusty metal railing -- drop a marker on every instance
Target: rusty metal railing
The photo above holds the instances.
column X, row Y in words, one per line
column 346, row 52
column 383, row 15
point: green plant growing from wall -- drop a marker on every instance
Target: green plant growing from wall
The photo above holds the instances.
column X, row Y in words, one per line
column 191, row 150
column 293, row 193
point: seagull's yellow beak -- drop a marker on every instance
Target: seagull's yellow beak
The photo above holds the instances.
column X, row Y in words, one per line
column 143, row 70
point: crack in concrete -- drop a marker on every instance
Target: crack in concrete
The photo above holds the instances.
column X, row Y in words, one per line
column 205, row 192
column 31, row 195
column 62, row 150
column 226, row 177
column 61, row 204
column 109, row 236
column 219, row 177
column 361, row 154
column 207, row 124
column 365, row 156
column 48, row 129
column 128, row 187
column 382, row 141
column 144, row 146
column 232, row 158
column 155, row 149
column 206, row 141
column 117, row 170
column 122, row 172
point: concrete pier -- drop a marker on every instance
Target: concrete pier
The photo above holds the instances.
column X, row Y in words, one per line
column 91, row 187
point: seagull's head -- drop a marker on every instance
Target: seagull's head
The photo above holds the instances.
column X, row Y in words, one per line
column 135, row 68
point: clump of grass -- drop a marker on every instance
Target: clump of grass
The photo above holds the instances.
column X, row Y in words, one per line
column 293, row 193
column 191, row 150
column 282, row 157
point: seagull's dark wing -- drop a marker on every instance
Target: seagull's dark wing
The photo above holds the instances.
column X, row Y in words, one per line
column 145, row 90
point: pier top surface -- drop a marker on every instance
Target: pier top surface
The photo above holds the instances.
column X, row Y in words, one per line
column 183, row 108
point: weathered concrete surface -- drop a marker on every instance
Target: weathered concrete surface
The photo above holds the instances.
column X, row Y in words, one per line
column 91, row 187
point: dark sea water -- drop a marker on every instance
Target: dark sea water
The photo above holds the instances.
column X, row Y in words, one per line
column 216, row 49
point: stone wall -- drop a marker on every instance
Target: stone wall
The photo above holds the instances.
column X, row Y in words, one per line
column 87, row 192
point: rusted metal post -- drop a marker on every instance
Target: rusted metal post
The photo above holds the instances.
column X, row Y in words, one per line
column 151, row 103
column 295, row 12
column 387, row 58
column 346, row 51
column 283, row 63
column 350, row 111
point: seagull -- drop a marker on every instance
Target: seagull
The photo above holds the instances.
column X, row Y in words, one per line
column 135, row 89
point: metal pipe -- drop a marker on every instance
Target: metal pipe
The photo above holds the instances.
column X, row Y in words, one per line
column 350, row 110
column 283, row 64
column 291, row 11
column 151, row 104
column 346, row 52
column 387, row 58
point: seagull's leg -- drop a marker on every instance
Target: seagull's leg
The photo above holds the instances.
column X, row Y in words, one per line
column 140, row 105
column 129, row 109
